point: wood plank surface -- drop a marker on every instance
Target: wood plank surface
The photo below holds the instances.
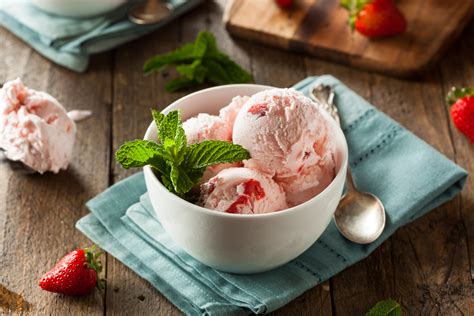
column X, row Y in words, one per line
column 319, row 27
column 427, row 265
column 134, row 96
column 38, row 213
column 458, row 70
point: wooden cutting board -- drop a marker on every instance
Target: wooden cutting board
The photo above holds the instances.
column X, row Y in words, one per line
column 319, row 27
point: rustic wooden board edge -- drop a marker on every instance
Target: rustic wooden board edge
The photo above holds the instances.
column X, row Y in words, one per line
column 355, row 61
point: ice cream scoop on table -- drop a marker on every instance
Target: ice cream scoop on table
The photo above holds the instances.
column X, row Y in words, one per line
column 35, row 129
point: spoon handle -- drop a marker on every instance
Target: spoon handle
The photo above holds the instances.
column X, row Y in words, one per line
column 323, row 95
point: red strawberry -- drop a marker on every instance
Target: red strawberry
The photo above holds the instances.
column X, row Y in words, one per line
column 75, row 274
column 285, row 4
column 462, row 110
column 375, row 18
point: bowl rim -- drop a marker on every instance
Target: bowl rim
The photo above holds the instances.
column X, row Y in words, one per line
column 341, row 172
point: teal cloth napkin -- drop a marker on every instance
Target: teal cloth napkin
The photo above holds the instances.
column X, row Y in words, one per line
column 409, row 176
column 69, row 42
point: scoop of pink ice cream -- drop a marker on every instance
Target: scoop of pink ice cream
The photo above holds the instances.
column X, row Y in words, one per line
column 229, row 112
column 242, row 191
column 34, row 128
column 311, row 180
column 208, row 127
column 288, row 138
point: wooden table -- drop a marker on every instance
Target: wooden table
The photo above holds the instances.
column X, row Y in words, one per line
column 427, row 265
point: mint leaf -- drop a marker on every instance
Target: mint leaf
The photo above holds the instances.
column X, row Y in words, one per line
column 211, row 44
column 195, row 71
column 172, row 135
column 157, row 118
column 168, row 126
column 388, row 307
column 216, row 73
column 202, row 43
column 185, row 53
column 211, row 152
column 180, row 83
column 198, row 63
column 167, row 182
column 236, row 73
column 139, row 153
column 196, row 174
column 181, row 181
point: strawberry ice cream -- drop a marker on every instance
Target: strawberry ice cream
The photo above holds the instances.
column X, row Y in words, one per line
column 242, row 191
column 208, row 127
column 288, row 139
column 34, row 128
column 229, row 112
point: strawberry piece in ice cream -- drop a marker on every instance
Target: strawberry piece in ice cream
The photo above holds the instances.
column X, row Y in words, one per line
column 34, row 128
column 288, row 138
column 242, row 191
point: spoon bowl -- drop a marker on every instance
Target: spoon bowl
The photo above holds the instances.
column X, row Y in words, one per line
column 360, row 217
column 151, row 12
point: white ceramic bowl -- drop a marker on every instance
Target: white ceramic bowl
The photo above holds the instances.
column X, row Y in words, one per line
column 77, row 8
column 234, row 242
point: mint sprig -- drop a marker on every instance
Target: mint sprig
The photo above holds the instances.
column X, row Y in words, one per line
column 197, row 63
column 179, row 166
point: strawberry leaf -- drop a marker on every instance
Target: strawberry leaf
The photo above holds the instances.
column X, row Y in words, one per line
column 354, row 7
column 458, row 93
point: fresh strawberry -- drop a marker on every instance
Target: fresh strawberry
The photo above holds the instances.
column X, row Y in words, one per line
column 75, row 274
column 462, row 110
column 375, row 18
column 285, row 4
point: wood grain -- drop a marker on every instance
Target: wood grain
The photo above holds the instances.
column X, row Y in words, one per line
column 134, row 96
column 319, row 27
column 423, row 267
column 458, row 70
column 427, row 265
column 38, row 213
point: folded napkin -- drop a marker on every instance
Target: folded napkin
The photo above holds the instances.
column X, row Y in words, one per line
column 408, row 175
column 68, row 41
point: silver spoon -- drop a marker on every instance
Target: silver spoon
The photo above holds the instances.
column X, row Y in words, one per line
column 150, row 12
column 360, row 216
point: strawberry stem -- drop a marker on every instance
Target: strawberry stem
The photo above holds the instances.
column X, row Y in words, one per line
column 458, row 93
column 93, row 262
column 354, row 7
